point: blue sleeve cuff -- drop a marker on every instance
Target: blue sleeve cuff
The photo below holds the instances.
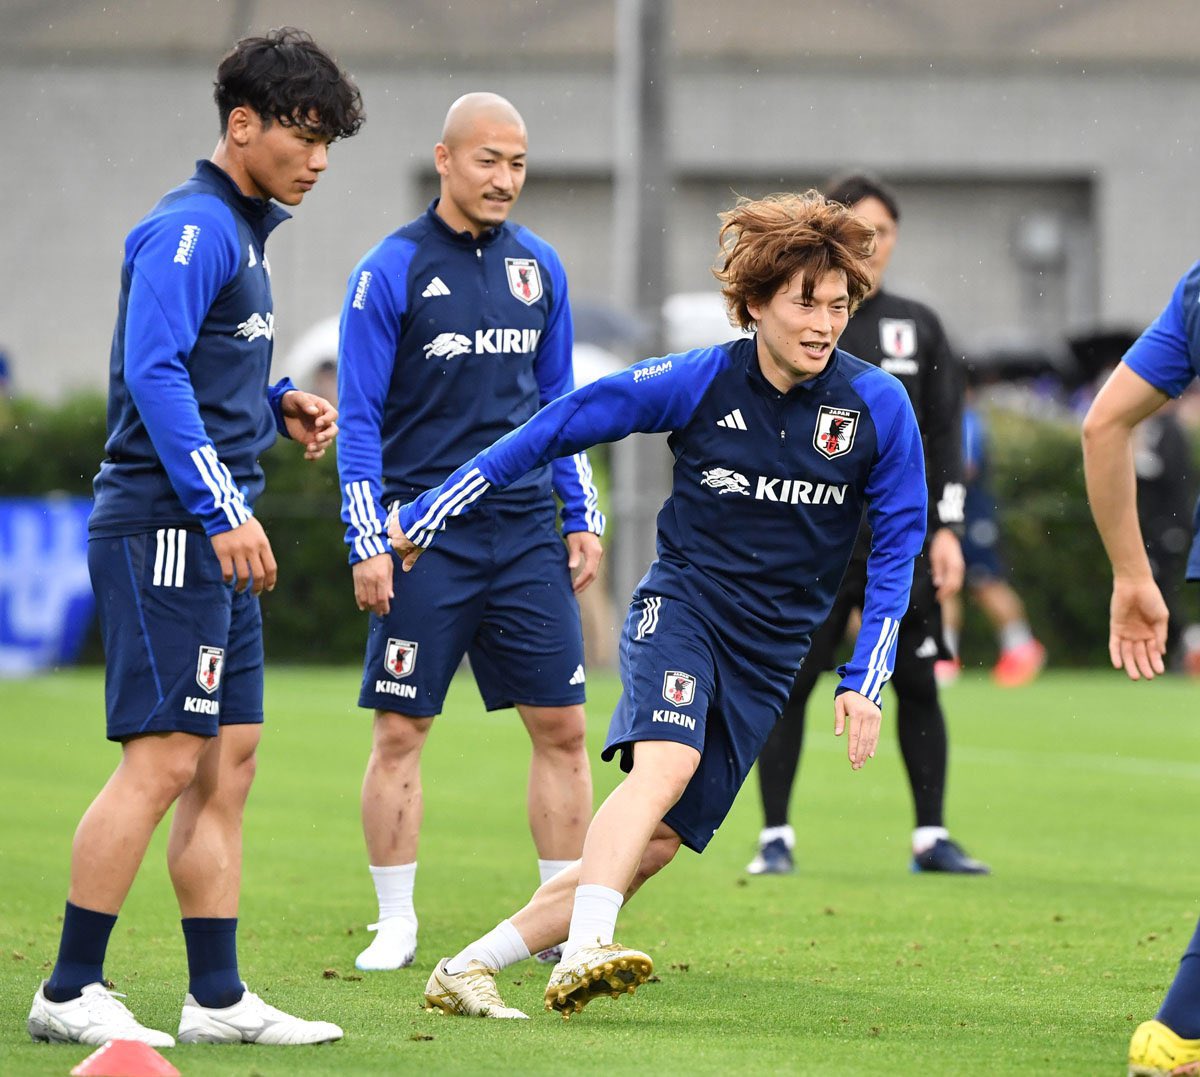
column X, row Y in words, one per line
column 275, row 394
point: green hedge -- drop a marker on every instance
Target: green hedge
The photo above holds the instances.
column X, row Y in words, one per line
column 1054, row 555
column 1048, row 542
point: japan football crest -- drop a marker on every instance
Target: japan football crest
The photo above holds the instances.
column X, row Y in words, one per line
column 835, row 430
column 208, row 668
column 401, row 657
column 898, row 337
column 524, row 279
column 679, row 688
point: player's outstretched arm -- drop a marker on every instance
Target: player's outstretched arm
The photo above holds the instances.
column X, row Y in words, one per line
column 310, row 420
column 862, row 717
column 1137, row 614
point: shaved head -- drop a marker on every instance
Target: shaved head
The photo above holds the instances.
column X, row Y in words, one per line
column 474, row 109
column 481, row 161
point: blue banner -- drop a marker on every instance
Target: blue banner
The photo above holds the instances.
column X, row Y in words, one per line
column 46, row 603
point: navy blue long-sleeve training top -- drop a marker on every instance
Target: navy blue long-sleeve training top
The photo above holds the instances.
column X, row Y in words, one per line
column 190, row 407
column 768, row 492
column 448, row 342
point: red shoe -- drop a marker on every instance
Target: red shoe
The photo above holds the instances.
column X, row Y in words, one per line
column 1019, row 665
column 946, row 671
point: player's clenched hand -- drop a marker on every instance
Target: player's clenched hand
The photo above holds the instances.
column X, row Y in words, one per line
column 246, row 557
column 946, row 563
column 408, row 551
column 863, row 718
column 373, row 584
column 583, row 558
column 311, row 420
column 1137, row 634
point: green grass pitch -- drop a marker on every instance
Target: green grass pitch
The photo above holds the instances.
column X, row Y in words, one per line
column 1082, row 791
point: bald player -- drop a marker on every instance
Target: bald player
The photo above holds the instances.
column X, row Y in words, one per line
column 456, row 329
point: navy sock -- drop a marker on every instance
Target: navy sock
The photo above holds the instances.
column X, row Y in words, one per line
column 212, row 960
column 80, row 953
column 1180, row 1010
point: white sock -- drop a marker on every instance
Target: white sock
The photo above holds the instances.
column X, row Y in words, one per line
column 950, row 637
column 394, row 888
column 547, row 869
column 593, row 918
column 499, row 948
column 1016, row 634
column 925, row 836
column 770, row 833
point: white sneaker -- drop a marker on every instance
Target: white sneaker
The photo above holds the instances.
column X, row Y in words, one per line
column 471, row 993
column 250, row 1020
column 394, row 946
column 95, row 1017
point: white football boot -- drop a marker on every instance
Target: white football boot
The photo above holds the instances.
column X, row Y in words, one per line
column 394, row 946
column 470, row 993
column 250, row 1020
column 94, row 1018
column 591, row 971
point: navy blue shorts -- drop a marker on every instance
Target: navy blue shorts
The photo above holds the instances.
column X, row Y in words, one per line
column 981, row 536
column 683, row 681
column 495, row 586
column 183, row 652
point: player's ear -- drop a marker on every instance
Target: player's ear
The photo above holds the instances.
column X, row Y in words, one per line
column 441, row 158
column 243, row 122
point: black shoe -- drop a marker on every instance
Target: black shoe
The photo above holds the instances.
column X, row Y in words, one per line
column 946, row 855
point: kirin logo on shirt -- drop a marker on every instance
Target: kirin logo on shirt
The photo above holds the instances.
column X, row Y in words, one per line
column 898, row 337
column 679, row 688
column 524, row 279
column 835, row 430
column 447, row 346
column 257, row 326
column 209, row 666
column 401, row 657
column 726, row 481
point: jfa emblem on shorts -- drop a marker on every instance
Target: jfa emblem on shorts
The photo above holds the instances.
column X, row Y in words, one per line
column 679, row 688
column 898, row 337
column 401, row 657
column 208, row 668
column 835, row 431
column 524, row 280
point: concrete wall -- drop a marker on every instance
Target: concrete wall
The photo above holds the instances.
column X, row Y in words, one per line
column 1109, row 154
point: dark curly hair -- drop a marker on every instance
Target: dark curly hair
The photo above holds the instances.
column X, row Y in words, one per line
column 285, row 76
column 766, row 243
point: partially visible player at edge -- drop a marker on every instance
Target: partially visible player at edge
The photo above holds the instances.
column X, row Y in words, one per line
column 1160, row 365
column 780, row 441
column 176, row 556
column 456, row 328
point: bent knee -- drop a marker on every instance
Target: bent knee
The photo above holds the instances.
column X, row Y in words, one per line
column 659, row 853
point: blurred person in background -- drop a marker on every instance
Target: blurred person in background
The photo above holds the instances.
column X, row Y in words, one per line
column 456, row 329
column 1159, row 366
column 1021, row 655
column 177, row 557
column 906, row 339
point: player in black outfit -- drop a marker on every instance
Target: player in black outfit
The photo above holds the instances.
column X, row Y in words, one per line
column 906, row 339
